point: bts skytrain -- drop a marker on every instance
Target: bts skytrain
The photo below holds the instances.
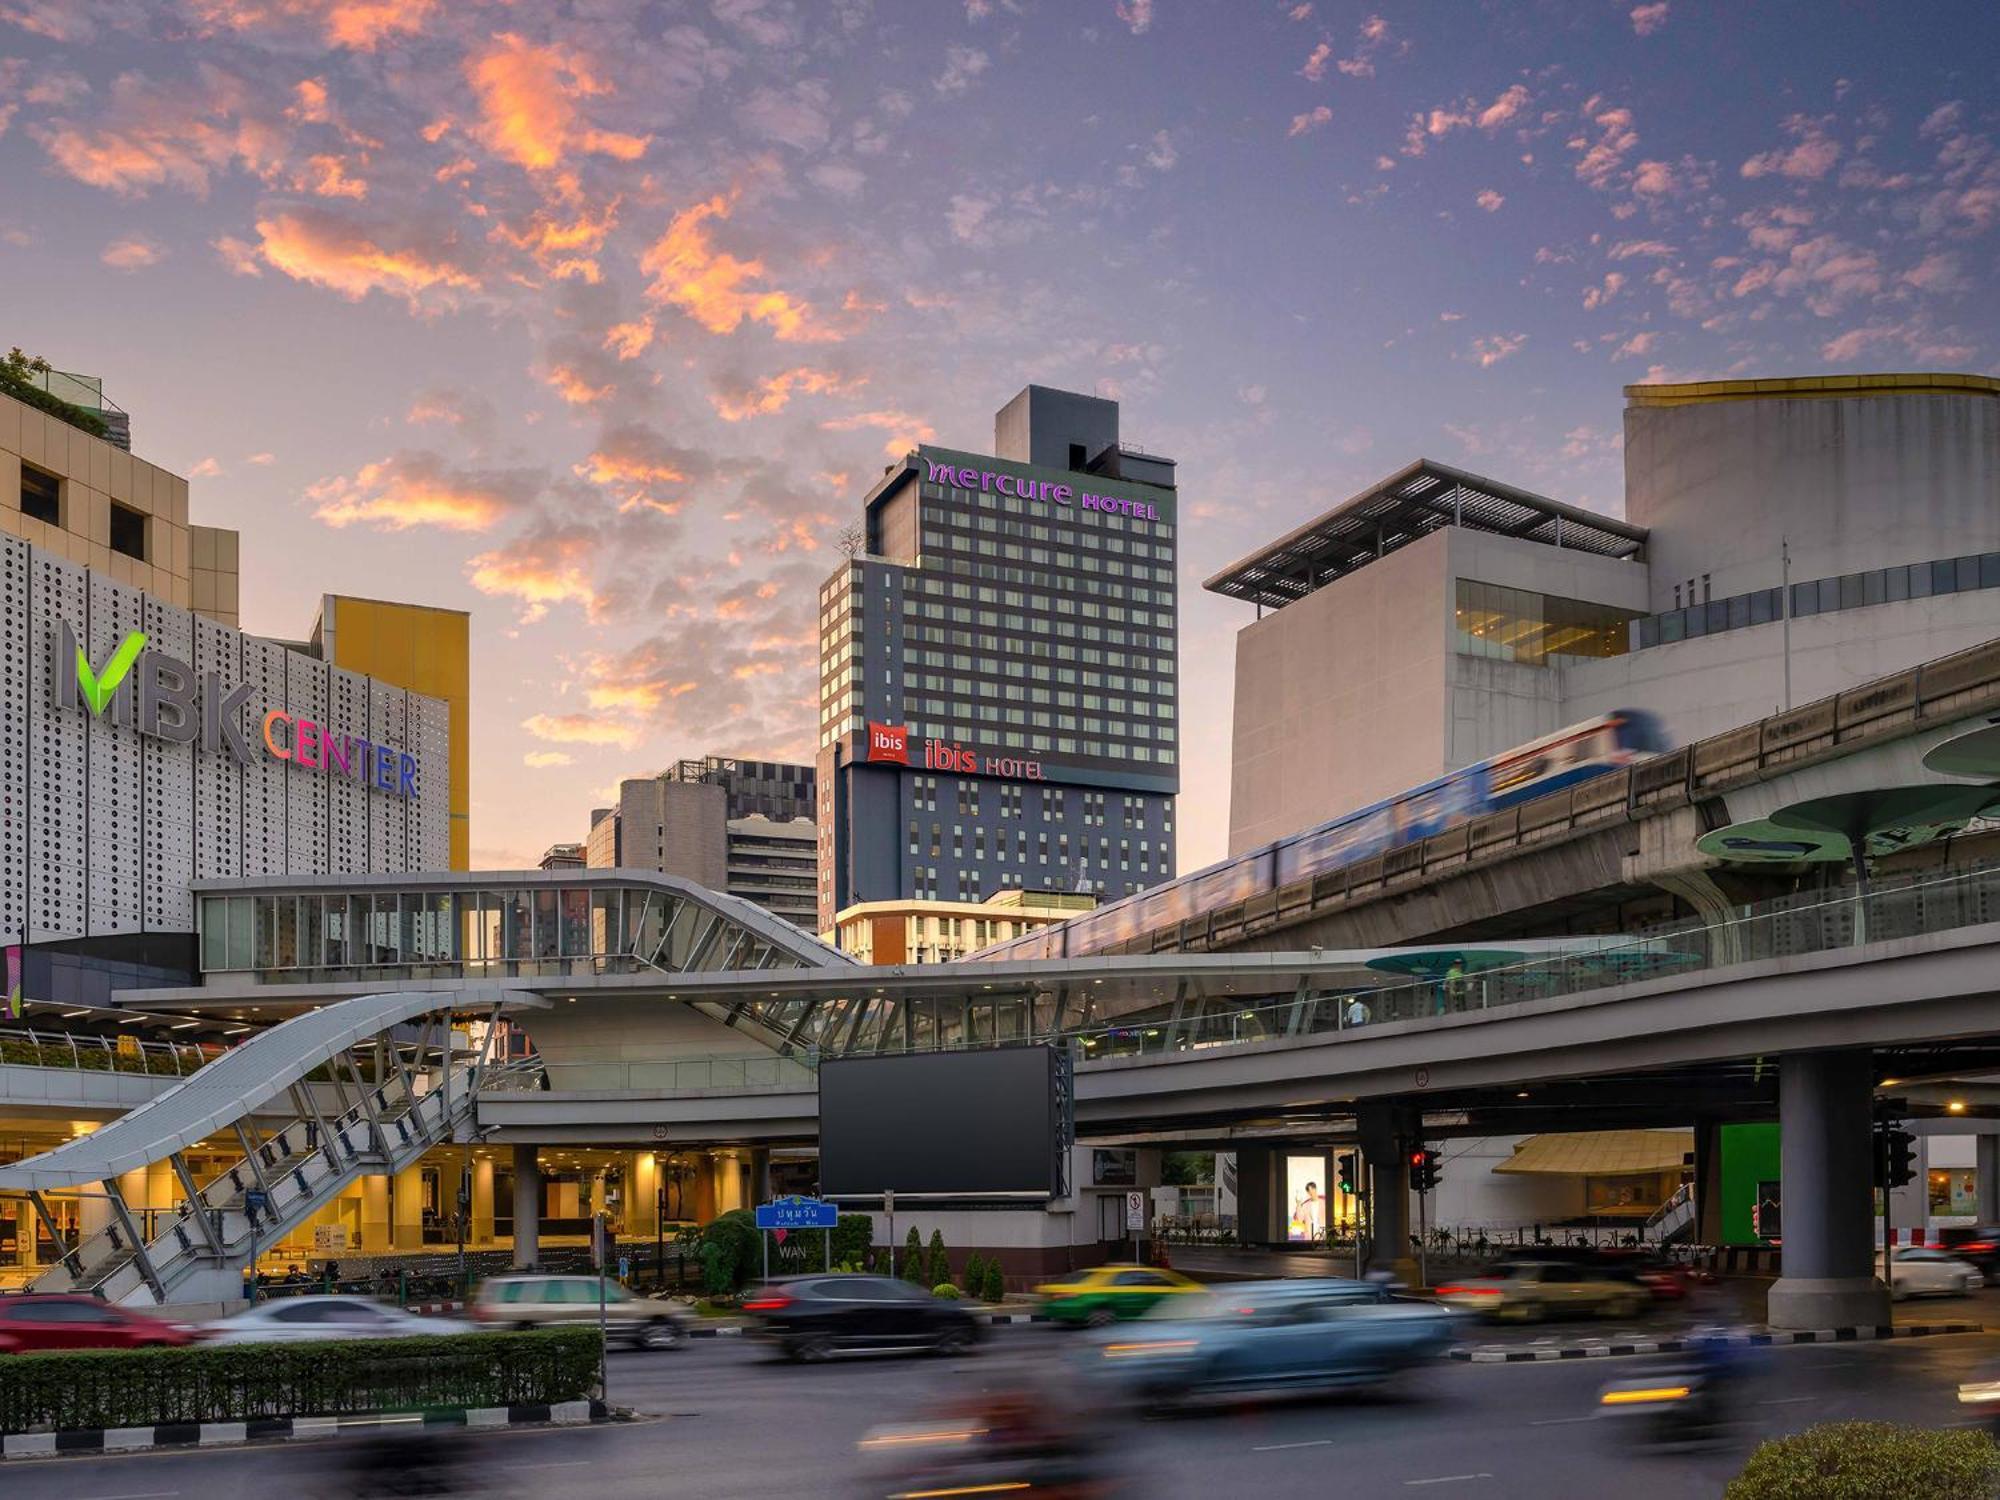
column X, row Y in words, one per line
column 1607, row 743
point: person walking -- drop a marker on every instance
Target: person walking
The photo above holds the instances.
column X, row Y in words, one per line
column 1357, row 1012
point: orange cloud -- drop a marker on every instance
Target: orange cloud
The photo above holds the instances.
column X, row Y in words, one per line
column 629, row 340
column 343, row 258
column 329, row 179
column 906, row 431
column 625, row 697
column 359, row 25
column 772, row 393
column 133, row 253
column 539, row 569
column 536, row 760
column 527, row 103
column 418, row 489
column 713, row 287
column 570, row 384
column 581, row 729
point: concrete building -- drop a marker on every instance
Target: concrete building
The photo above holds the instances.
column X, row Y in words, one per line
column 1783, row 540
column 564, row 857
column 741, row 826
column 998, row 678
column 932, row 932
column 90, row 502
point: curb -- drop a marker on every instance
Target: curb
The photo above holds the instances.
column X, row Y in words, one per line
column 738, row 1330
column 97, row 1440
column 1496, row 1355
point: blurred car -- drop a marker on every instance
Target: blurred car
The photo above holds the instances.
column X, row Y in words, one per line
column 1102, row 1295
column 1926, row 1271
column 811, row 1318
column 32, row 1322
column 1263, row 1335
column 298, row 1319
column 1530, row 1291
column 1978, row 1243
column 553, row 1301
column 1667, row 1279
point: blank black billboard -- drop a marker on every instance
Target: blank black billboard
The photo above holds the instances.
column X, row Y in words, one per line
column 960, row 1123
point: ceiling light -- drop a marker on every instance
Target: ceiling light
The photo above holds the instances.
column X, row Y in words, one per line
column 1957, row 1106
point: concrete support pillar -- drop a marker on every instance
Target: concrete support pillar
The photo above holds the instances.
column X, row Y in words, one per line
column 698, row 1192
column 642, row 1182
column 375, row 1214
column 480, row 1231
column 760, row 1175
column 407, row 1210
column 1387, row 1132
column 728, row 1181
column 1707, row 1183
column 1987, row 1183
column 1825, row 1104
column 527, row 1207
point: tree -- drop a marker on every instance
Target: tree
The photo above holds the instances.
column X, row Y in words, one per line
column 996, row 1281
column 940, row 1264
column 916, row 1265
column 975, row 1275
column 1187, row 1168
column 852, row 540
column 729, row 1255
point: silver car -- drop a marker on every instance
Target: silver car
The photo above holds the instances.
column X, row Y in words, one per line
column 292, row 1320
column 558, row 1301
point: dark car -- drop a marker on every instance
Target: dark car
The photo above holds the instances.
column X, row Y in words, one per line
column 33, row 1322
column 1978, row 1243
column 816, row 1317
column 1668, row 1279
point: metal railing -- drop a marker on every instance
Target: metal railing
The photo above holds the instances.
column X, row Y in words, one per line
column 763, row 1072
column 1782, row 930
column 35, row 1048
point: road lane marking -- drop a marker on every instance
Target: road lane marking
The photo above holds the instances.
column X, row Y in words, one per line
column 1281, row 1447
column 567, row 1463
column 1559, row 1421
column 1787, row 1400
column 1448, row 1479
column 136, row 1495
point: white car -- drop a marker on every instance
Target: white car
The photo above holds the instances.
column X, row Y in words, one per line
column 1926, row 1271
column 298, row 1319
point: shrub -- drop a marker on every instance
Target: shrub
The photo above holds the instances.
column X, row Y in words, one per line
column 1867, row 1460
column 234, row 1383
column 944, row 1291
column 729, row 1252
column 17, row 372
column 914, row 1265
column 940, row 1263
column 996, row 1282
column 975, row 1275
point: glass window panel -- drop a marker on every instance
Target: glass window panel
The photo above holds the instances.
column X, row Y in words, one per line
column 1920, row 580
column 1967, row 570
column 334, row 926
column 1944, row 577
column 1697, row 620
column 310, row 928
column 1673, row 626
column 1874, row 586
column 516, row 925
column 607, row 934
column 1896, row 583
column 1739, row 611
column 1805, row 599
column 1763, row 606
column 1850, row 591
column 287, row 915
column 266, row 913
column 1829, row 594
column 547, row 933
column 576, row 922
column 1718, row 615
column 214, row 933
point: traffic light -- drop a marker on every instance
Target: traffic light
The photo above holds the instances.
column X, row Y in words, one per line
column 1900, row 1156
column 1346, row 1172
column 1423, row 1169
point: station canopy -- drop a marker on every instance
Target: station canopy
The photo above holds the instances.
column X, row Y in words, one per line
column 1406, row 507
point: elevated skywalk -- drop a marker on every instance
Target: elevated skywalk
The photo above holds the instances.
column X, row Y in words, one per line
column 402, row 1094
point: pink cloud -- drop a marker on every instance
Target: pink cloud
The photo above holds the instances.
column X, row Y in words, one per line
column 1809, row 158
column 1137, row 14
column 1312, row 119
column 1316, row 62
column 1647, row 19
column 1489, row 200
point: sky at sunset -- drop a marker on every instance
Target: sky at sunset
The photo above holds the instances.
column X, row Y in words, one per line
column 597, row 319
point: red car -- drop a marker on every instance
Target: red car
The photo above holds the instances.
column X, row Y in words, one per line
column 32, row 1322
column 1668, row 1279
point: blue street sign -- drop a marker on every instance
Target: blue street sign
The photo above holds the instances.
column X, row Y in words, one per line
column 797, row 1213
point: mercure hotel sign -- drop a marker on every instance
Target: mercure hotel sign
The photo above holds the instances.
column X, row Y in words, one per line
column 164, row 698
column 1044, row 491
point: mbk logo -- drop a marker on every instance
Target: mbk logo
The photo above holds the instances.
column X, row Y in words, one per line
column 170, row 701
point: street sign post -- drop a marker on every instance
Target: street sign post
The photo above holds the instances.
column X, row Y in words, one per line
column 600, row 1250
column 782, row 1215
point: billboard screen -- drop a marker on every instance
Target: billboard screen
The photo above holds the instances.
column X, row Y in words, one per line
column 972, row 1124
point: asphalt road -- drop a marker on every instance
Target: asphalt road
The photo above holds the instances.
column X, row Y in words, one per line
column 726, row 1421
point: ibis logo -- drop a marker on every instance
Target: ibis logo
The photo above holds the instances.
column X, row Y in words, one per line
column 98, row 687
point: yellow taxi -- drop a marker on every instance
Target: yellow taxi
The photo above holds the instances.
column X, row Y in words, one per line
column 1104, row 1294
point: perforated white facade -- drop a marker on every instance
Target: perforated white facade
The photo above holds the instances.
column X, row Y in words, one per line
column 102, row 829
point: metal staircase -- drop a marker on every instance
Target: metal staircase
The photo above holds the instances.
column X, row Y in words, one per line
column 398, row 1084
column 1672, row 1220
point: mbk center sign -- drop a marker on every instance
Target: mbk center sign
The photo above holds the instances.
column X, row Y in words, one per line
column 164, row 698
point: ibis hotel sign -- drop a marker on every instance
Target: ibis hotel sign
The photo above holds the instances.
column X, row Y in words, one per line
column 891, row 742
column 164, row 698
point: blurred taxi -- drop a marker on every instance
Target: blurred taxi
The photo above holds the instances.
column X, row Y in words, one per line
column 1268, row 1335
column 1105, row 1294
column 1531, row 1290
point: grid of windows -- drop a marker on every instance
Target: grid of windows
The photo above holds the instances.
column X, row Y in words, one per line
column 1535, row 629
column 1819, row 596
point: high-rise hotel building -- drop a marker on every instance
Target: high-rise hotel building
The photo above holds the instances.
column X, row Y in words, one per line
column 998, row 670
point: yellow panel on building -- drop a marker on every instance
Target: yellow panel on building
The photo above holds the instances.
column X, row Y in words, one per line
column 424, row 650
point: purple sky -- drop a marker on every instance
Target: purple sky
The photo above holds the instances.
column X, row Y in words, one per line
column 596, row 319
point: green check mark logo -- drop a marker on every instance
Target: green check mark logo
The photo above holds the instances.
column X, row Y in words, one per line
column 97, row 687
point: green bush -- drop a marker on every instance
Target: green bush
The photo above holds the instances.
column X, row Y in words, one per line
column 996, row 1282
column 913, row 1263
column 939, row 1269
column 975, row 1275
column 233, row 1383
column 729, row 1252
column 944, row 1291
column 17, row 372
column 1869, row 1460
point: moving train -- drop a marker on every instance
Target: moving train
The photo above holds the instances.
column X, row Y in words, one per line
column 1607, row 743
